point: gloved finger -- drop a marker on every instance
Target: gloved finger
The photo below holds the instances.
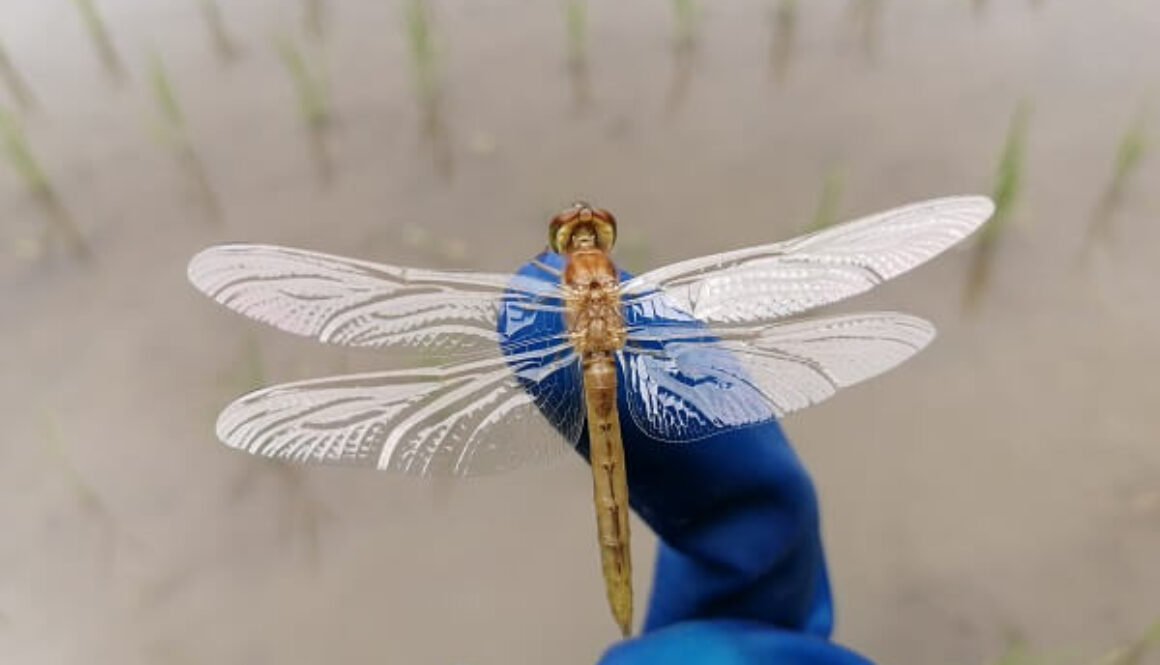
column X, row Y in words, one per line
column 736, row 512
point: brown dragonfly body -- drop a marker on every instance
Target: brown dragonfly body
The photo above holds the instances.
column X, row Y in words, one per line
column 596, row 329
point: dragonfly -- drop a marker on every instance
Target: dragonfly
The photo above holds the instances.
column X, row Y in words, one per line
column 515, row 368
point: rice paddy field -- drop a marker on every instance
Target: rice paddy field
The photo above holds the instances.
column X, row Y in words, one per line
column 995, row 500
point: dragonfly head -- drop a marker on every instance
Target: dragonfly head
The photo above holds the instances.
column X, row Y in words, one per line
column 582, row 227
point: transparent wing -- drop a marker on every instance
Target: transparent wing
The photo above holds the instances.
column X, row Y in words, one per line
column 358, row 303
column 468, row 418
column 761, row 284
column 683, row 385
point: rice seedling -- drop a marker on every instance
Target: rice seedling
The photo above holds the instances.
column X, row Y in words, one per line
column 684, row 59
column 1130, row 152
column 313, row 103
column 14, row 82
column 172, row 132
column 865, row 20
column 91, row 504
column 301, row 511
column 826, row 212
column 95, row 25
column 576, row 24
column 685, row 17
column 309, row 84
column 314, row 18
column 428, row 86
column 1134, row 652
column 1005, row 193
column 784, row 22
column 169, row 109
column 420, row 39
column 1017, row 652
column 223, row 43
column 20, row 156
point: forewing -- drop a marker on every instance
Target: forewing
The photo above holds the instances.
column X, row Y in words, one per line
column 358, row 303
column 683, row 385
column 768, row 282
column 466, row 419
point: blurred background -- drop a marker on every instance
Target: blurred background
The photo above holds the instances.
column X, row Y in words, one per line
column 1001, row 489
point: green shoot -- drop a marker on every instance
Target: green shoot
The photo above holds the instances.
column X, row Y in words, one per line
column 785, row 21
column 1132, row 149
column 1005, row 193
column 15, row 82
column 1133, row 653
column 826, row 212
column 425, row 70
column 303, row 511
column 420, row 38
column 684, row 24
column 1008, row 175
column 223, row 43
column 576, row 21
column 1015, row 653
column 685, row 15
column 88, row 499
column 865, row 17
column 169, row 109
column 19, row 154
column 313, row 105
column 100, row 36
column 314, row 18
column 1133, row 145
column 310, row 87
column 172, row 130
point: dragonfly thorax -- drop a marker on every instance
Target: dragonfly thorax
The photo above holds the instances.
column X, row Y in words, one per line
column 593, row 309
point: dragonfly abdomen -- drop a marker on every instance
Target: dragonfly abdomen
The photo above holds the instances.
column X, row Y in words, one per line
column 609, row 484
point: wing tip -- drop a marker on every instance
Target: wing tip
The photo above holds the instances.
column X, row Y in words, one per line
column 980, row 202
column 977, row 207
column 928, row 329
column 202, row 264
column 195, row 269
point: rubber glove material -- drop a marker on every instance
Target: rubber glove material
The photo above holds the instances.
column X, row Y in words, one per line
column 740, row 573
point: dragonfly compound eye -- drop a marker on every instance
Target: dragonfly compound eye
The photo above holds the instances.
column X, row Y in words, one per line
column 598, row 222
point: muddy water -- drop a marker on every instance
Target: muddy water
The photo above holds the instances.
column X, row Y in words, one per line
column 1006, row 481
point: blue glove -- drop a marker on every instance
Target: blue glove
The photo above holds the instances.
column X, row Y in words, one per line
column 740, row 573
